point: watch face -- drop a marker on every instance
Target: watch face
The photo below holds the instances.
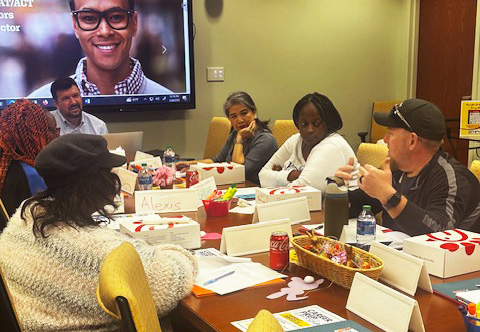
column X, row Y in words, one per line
column 394, row 200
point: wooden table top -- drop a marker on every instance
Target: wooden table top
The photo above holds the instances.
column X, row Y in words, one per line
column 216, row 312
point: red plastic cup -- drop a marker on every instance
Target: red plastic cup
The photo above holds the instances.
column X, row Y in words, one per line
column 216, row 208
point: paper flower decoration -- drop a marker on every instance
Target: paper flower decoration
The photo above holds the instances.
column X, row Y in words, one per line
column 163, row 176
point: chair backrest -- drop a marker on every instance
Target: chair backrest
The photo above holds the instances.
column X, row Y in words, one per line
column 8, row 316
column 264, row 321
column 217, row 136
column 377, row 132
column 123, row 289
column 475, row 168
column 282, row 130
column 373, row 154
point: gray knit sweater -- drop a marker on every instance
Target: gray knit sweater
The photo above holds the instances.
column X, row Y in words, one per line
column 53, row 280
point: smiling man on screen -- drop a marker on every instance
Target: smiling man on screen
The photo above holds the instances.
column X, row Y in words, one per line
column 105, row 30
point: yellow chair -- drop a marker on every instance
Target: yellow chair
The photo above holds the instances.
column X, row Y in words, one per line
column 264, row 321
column 217, row 136
column 8, row 316
column 123, row 291
column 373, row 154
column 475, row 168
column 282, row 130
column 377, row 132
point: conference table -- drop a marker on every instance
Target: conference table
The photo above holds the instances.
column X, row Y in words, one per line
column 216, row 312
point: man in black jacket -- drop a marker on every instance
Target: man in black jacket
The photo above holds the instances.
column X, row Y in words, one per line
column 420, row 188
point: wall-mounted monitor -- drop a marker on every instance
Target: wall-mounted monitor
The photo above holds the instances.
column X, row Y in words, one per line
column 125, row 55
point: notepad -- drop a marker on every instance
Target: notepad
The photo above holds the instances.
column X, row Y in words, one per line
column 469, row 296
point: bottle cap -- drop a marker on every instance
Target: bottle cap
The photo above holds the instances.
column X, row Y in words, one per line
column 367, row 207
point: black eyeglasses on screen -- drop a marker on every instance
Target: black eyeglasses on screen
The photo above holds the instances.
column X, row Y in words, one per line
column 89, row 19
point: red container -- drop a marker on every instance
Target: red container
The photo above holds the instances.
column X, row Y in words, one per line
column 279, row 251
column 216, row 209
column 191, row 178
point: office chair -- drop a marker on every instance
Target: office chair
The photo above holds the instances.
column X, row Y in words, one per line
column 282, row 130
column 377, row 132
column 373, row 154
column 123, row 291
column 8, row 316
column 217, row 136
column 475, row 168
column 264, row 321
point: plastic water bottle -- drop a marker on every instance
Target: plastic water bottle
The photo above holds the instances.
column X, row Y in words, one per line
column 169, row 157
column 144, row 178
column 336, row 207
column 366, row 225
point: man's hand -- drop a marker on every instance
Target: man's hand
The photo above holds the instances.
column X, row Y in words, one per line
column 276, row 168
column 377, row 183
column 345, row 171
column 246, row 133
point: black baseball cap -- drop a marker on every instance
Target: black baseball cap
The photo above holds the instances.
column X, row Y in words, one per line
column 70, row 158
column 416, row 115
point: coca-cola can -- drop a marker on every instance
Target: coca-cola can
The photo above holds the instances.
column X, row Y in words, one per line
column 191, row 178
column 279, row 251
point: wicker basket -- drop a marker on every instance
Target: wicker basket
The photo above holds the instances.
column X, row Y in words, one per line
column 340, row 274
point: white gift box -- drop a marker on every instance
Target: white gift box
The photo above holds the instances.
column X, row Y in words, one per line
column 183, row 231
column 267, row 195
column 446, row 254
column 223, row 173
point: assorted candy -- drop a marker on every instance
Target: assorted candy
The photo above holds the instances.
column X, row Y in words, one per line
column 337, row 252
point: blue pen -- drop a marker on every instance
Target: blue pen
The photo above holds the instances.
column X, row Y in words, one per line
column 211, row 281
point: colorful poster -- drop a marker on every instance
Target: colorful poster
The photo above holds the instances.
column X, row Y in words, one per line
column 470, row 119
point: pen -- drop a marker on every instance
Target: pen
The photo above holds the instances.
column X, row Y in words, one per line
column 211, row 281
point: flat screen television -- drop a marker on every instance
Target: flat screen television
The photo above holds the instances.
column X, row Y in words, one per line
column 40, row 41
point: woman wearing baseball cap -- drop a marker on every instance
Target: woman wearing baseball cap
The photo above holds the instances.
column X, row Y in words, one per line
column 52, row 248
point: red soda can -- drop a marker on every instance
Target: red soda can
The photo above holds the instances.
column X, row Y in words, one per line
column 191, row 178
column 279, row 251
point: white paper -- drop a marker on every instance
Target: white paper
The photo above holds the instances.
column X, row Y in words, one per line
column 297, row 318
column 246, row 273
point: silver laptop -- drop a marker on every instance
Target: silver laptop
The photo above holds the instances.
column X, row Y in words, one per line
column 131, row 142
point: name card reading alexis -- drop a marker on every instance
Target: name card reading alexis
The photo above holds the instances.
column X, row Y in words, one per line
column 168, row 200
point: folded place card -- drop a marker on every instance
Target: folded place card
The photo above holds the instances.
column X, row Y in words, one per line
column 258, row 235
column 401, row 270
column 383, row 306
column 296, row 209
column 168, row 200
column 128, row 179
column 152, row 163
column 205, row 188
column 139, row 155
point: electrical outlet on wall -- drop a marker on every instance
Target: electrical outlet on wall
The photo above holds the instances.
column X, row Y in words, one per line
column 215, row 74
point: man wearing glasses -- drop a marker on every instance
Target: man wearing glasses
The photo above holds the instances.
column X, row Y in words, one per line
column 420, row 188
column 105, row 30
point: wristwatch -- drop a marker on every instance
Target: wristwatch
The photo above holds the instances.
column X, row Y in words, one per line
column 393, row 201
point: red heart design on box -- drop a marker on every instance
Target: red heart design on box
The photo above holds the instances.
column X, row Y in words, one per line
column 449, row 246
column 220, row 170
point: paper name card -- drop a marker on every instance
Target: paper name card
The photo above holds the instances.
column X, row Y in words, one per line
column 295, row 209
column 205, row 187
column 314, row 196
column 170, row 200
column 401, row 270
column 383, row 306
column 128, row 179
column 139, row 155
column 234, row 238
column 152, row 163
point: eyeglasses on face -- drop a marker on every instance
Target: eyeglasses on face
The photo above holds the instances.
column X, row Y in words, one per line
column 396, row 111
column 89, row 19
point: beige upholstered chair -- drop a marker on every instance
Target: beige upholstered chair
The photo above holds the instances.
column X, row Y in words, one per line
column 264, row 321
column 377, row 132
column 123, row 291
column 475, row 168
column 373, row 154
column 217, row 136
column 282, row 130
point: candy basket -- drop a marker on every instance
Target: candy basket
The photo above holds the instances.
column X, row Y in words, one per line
column 340, row 274
column 471, row 323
